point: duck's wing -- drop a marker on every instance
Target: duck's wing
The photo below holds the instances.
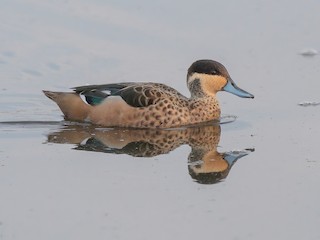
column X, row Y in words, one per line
column 95, row 94
column 134, row 94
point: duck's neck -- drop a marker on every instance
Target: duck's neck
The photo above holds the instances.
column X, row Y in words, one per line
column 203, row 109
column 195, row 89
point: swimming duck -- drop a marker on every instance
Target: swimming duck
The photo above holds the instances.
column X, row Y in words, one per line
column 151, row 105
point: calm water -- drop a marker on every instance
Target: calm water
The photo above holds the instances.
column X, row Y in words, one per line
column 60, row 180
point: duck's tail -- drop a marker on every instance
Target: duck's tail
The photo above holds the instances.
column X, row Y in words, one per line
column 70, row 104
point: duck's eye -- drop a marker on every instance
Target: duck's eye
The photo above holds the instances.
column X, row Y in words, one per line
column 214, row 72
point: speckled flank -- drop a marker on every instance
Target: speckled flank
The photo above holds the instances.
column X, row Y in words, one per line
column 148, row 105
column 165, row 113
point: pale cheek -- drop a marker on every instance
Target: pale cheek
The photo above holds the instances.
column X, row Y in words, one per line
column 220, row 82
column 213, row 84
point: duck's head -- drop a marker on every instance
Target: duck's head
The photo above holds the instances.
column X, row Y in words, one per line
column 207, row 77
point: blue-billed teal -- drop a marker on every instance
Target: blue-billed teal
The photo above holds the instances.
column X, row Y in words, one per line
column 151, row 105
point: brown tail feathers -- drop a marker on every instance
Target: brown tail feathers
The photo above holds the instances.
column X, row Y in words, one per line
column 71, row 104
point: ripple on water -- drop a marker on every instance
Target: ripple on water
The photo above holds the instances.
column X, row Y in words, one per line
column 308, row 103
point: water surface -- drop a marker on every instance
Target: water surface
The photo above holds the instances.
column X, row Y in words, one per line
column 77, row 182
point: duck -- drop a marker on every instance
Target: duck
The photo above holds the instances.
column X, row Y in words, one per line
column 149, row 104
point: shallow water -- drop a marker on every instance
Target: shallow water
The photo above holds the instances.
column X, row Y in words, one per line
column 71, row 181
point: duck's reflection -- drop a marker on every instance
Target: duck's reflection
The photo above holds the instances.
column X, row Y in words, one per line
column 205, row 164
